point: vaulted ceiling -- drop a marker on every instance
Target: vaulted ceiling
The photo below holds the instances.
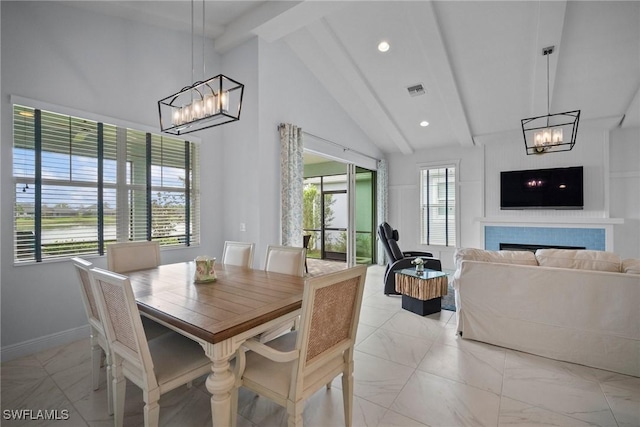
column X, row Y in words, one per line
column 480, row 62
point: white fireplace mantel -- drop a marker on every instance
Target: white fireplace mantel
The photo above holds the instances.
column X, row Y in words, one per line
column 551, row 221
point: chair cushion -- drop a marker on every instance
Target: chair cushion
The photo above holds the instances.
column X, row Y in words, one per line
column 386, row 230
column 579, row 259
column 275, row 376
column 395, row 250
column 175, row 355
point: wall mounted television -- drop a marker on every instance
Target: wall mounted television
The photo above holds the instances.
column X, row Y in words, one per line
column 556, row 188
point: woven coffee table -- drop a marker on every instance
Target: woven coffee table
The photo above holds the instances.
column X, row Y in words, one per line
column 421, row 292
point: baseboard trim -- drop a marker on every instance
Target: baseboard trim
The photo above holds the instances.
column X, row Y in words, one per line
column 46, row 342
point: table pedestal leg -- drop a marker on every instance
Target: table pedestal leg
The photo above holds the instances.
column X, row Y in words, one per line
column 220, row 382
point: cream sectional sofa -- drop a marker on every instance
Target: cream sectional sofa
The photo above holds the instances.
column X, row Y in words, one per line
column 577, row 306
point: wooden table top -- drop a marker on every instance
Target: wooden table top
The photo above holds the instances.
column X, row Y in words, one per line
column 237, row 301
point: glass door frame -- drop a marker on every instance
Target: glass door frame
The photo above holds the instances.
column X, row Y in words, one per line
column 351, row 173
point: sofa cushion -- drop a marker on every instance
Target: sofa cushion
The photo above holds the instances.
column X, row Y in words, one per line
column 631, row 266
column 501, row 257
column 579, row 259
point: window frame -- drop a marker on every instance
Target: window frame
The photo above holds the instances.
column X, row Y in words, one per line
column 455, row 164
column 194, row 181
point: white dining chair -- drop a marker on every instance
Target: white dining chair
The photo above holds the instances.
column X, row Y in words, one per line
column 156, row 366
column 238, row 253
column 131, row 256
column 291, row 368
column 98, row 339
column 285, row 260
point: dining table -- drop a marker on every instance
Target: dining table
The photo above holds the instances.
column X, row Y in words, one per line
column 220, row 315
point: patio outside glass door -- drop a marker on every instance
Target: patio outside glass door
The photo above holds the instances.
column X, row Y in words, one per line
column 335, row 220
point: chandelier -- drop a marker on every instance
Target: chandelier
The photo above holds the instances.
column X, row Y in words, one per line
column 553, row 132
column 204, row 104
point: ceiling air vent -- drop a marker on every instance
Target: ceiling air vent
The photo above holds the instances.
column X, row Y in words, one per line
column 415, row 90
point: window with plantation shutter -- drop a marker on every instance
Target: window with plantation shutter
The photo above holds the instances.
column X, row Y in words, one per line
column 438, row 205
column 81, row 184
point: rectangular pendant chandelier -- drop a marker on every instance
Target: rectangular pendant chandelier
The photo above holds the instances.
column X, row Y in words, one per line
column 551, row 133
column 202, row 105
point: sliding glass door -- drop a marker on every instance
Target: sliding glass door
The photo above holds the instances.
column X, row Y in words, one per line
column 327, row 207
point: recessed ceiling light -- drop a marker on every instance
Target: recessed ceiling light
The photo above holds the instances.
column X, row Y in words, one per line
column 424, row 123
column 383, row 46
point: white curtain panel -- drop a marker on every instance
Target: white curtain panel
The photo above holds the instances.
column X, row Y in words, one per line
column 291, row 181
column 383, row 196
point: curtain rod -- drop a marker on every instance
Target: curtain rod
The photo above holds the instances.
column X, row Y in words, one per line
column 336, row 144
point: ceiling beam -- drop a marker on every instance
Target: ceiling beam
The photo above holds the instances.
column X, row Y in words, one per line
column 429, row 40
column 295, row 18
column 307, row 47
column 364, row 96
column 242, row 29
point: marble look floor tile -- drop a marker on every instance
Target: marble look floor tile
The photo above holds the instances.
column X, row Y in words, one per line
column 520, row 414
column 396, row 347
column 393, row 419
column 624, row 398
column 437, row 401
column 415, row 326
column 77, row 381
column 387, row 302
column 41, row 395
column 93, row 407
column 374, row 316
column 550, row 385
column 20, row 378
column 443, row 316
column 552, row 368
column 185, row 407
column 477, row 367
column 66, row 356
column 377, row 380
column 326, row 408
column 259, row 410
column 363, row 332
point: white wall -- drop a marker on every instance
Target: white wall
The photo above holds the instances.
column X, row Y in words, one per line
column 404, row 197
column 105, row 66
column 591, row 151
column 278, row 89
column 625, row 190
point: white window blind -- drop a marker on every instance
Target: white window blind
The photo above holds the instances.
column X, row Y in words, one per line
column 438, row 205
column 82, row 184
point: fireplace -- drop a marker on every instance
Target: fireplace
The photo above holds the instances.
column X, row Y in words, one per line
column 533, row 247
column 544, row 237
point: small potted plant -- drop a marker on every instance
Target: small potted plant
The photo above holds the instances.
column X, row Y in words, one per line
column 419, row 263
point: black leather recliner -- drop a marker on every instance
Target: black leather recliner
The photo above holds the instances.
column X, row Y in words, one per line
column 397, row 260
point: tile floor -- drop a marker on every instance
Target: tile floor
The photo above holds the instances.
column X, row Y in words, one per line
column 409, row 371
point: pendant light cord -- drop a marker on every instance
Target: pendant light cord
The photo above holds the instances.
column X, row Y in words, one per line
column 204, row 74
column 192, row 66
column 548, row 91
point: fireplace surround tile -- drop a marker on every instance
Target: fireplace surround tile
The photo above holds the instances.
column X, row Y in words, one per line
column 590, row 238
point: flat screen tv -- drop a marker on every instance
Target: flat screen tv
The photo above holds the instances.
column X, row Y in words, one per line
column 557, row 188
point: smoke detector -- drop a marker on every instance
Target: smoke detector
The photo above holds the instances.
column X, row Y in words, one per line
column 416, row 89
